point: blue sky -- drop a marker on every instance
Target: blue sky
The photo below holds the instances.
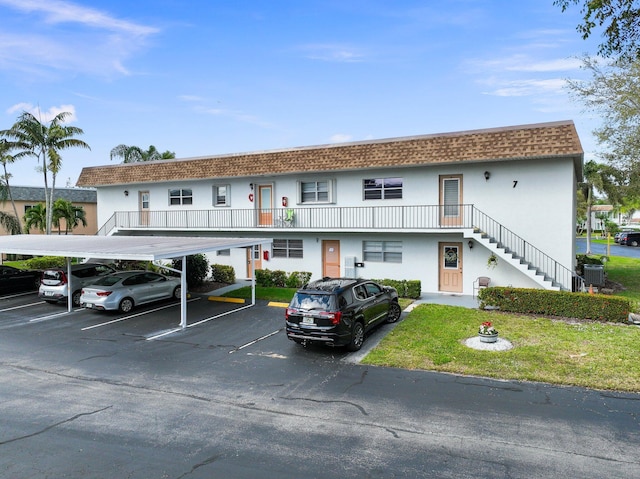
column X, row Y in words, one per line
column 225, row 76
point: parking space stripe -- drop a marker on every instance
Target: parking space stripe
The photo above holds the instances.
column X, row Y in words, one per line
column 142, row 313
column 20, row 307
column 255, row 341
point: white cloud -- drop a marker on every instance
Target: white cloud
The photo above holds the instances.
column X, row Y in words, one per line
column 340, row 138
column 528, row 87
column 332, row 53
column 99, row 45
column 56, row 11
column 44, row 116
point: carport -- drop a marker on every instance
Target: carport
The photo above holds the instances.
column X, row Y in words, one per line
column 138, row 248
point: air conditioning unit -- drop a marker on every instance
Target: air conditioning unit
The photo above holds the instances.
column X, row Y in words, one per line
column 593, row 275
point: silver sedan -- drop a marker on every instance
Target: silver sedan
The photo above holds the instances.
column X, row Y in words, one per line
column 124, row 290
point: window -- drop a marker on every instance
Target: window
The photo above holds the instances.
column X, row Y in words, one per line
column 315, row 191
column 382, row 188
column 182, row 196
column 382, row 251
column 287, row 248
column 221, row 195
column 223, row 252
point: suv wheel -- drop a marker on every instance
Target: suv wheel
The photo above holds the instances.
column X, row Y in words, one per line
column 357, row 337
column 394, row 312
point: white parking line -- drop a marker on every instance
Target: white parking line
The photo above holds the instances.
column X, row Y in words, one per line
column 124, row 318
column 20, row 307
column 255, row 341
column 51, row 316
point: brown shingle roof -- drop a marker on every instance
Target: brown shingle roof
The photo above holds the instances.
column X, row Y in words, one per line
column 557, row 139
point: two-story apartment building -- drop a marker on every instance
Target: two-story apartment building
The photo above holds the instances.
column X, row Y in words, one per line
column 433, row 208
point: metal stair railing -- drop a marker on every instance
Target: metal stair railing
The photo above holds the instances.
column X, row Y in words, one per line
column 526, row 253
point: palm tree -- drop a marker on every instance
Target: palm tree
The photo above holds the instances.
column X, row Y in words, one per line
column 71, row 214
column 10, row 223
column 35, row 217
column 600, row 177
column 5, row 188
column 33, row 138
column 134, row 154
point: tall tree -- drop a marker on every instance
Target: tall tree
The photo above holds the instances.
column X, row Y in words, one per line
column 620, row 20
column 134, row 154
column 35, row 217
column 613, row 92
column 32, row 137
column 602, row 178
column 71, row 214
column 5, row 187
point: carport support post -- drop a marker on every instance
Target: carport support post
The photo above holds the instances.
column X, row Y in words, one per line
column 69, row 286
column 183, row 294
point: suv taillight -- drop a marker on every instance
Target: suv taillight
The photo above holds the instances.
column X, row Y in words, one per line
column 289, row 312
column 334, row 317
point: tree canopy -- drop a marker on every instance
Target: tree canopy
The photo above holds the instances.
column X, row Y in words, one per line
column 134, row 154
column 620, row 20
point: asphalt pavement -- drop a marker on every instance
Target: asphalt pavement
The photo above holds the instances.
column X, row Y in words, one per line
column 91, row 395
column 613, row 249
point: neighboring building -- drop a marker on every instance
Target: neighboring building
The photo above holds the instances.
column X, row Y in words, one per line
column 432, row 207
column 26, row 197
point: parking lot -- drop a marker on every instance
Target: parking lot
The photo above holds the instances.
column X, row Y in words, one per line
column 105, row 395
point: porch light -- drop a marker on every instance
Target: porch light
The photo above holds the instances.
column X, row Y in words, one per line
column 487, row 175
column 470, row 244
column 126, row 192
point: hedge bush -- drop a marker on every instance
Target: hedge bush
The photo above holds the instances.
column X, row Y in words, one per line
column 197, row 269
column 268, row 278
column 223, row 274
column 44, row 262
column 597, row 307
column 407, row 288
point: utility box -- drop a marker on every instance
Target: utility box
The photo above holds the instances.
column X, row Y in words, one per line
column 593, row 275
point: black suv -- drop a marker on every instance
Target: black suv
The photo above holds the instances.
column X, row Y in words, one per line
column 339, row 311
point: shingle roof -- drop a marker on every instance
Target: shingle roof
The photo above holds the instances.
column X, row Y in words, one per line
column 545, row 140
column 36, row 194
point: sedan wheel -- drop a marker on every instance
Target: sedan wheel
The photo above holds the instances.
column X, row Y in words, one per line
column 126, row 305
column 394, row 312
column 177, row 293
column 76, row 298
column 357, row 337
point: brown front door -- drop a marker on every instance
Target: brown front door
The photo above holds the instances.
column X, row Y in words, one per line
column 265, row 205
column 450, row 267
column 143, row 207
column 331, row 258
column 451, row 200
column 256, row 251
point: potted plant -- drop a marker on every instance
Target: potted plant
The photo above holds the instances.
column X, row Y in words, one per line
column 487, row 333
column 492, row 261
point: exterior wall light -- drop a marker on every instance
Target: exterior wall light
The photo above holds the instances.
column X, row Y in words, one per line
column 470, row 244
column 487, row 175
column 126, row 192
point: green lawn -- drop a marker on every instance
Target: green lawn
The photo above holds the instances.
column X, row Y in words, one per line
column 589, row 354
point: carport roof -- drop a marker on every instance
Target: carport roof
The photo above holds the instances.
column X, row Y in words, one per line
column 140, row 248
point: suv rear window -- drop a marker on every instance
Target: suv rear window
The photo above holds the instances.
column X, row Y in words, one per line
column 313, row 301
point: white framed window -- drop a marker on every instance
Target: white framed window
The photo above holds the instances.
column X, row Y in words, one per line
column 320, row 191
column 382, row 251
column 180, row 196
column 223, row 252
column 287, row 248
column 382, row 188
column 221, row 195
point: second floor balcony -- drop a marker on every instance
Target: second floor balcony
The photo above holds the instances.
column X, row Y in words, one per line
column 368, row 218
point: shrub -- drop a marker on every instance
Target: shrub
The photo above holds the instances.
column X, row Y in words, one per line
column 197, row 269
column 297, row 279
column 223, row 274
column 44, row 262
column 263, row 278
column 556, row 303
column 406, row 288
